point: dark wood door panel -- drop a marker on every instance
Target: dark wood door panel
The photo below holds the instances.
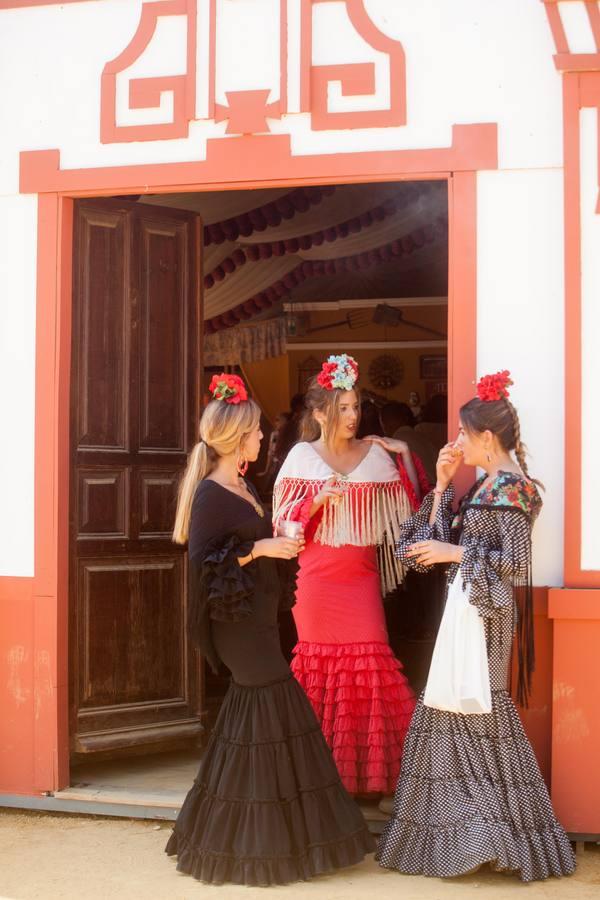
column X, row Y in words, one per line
column 132, row 631
column 163, row 335
column 134, row 414
column 157, row 498
column 101, row 327
column 102, row 503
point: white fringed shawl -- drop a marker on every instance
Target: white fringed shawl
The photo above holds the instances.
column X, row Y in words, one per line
column 373, row 506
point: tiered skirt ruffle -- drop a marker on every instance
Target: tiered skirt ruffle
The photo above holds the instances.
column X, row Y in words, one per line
column 471, row 792
column 267, row 806
column 364, row 704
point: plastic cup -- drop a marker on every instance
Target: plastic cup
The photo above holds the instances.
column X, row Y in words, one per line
column 289, row 529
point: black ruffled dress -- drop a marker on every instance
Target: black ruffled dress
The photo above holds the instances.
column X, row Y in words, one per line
column 267, row 806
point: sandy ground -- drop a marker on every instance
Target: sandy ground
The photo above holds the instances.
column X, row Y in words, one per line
column 51, row 856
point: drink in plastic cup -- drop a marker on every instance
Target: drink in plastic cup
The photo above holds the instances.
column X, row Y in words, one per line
column 290, row 529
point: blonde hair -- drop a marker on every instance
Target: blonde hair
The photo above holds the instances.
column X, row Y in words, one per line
column 326, row 402
column 223, row 427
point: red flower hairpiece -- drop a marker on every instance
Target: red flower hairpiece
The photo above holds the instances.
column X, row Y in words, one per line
column 229, row 388
column 338, row 372
column 494, row 387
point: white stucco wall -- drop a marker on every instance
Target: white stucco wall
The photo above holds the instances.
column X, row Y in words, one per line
column 18, row 240
column 590, row 332
column 468, row 61
column 520, row 327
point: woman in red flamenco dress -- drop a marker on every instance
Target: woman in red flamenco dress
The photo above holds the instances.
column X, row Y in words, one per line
column 351, row 497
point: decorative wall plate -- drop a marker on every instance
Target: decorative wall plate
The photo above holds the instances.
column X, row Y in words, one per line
column 386, row 371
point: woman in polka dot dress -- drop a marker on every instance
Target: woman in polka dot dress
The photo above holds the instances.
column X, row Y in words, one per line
column 470, row 791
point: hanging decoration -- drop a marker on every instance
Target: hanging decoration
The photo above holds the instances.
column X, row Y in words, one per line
column 404, row 246
column 386, row 372
column 266, row 250
column 269, row 215
column 245, row 343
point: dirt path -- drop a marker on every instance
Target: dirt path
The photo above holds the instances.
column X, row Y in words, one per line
column 79, row 858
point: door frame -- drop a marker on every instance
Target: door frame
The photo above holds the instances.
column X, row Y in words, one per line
column 474, row 148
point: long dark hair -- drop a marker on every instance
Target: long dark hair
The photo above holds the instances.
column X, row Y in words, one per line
column 501, row 418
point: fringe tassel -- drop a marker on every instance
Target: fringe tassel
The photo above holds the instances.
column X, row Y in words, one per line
column 525, row 636
column 368, row 514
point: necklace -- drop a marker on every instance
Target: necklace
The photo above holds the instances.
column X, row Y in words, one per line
column 235, row 487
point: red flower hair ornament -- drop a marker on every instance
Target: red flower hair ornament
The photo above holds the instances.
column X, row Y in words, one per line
column 338, row 372
column 494, row 387
column 229, row 388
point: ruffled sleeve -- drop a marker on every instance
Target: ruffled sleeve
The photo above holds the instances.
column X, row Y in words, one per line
column 494, row 572
column 220, row 589
column 228, row 585
column 417, row 527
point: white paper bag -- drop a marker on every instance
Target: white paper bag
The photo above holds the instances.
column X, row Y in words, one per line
column 459, row 678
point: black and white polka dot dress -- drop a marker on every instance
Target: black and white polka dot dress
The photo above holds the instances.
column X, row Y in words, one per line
column 470, row 790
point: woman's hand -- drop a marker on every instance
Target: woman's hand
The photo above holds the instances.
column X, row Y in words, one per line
column 279, row 547
column 329, row 493
column 392, row 445
column 448, row 463
column 428, row 553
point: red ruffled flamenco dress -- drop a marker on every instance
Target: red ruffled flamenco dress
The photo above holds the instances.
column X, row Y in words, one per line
column 343, row 659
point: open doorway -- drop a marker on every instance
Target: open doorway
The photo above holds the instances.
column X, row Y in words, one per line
column 167, row 287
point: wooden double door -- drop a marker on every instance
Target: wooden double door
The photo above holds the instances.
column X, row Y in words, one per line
column 135, row 681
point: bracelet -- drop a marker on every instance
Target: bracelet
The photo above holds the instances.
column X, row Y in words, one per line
column 252, row 554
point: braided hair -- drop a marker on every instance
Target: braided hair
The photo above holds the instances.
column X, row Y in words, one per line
column 501, row 418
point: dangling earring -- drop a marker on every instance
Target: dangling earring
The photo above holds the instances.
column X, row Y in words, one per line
column 242, row 464
column 324, row 433
column 489, row 458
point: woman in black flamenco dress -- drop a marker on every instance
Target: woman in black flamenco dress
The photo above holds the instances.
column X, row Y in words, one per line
column 267, row 806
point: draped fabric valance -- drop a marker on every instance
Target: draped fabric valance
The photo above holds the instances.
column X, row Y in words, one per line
column 245, row 343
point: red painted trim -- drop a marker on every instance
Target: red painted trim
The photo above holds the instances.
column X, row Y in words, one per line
column 462, row 301
column 575, row 720
column 556, row 26
column 577, row 62
column 247, row 111
column 305, row 54
column 594, row 18
column 589, row 90
column 579, row 91
column 50, row 583
column 265, row 161
column 359, row 78
column 566, row 603
column 145, row 92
